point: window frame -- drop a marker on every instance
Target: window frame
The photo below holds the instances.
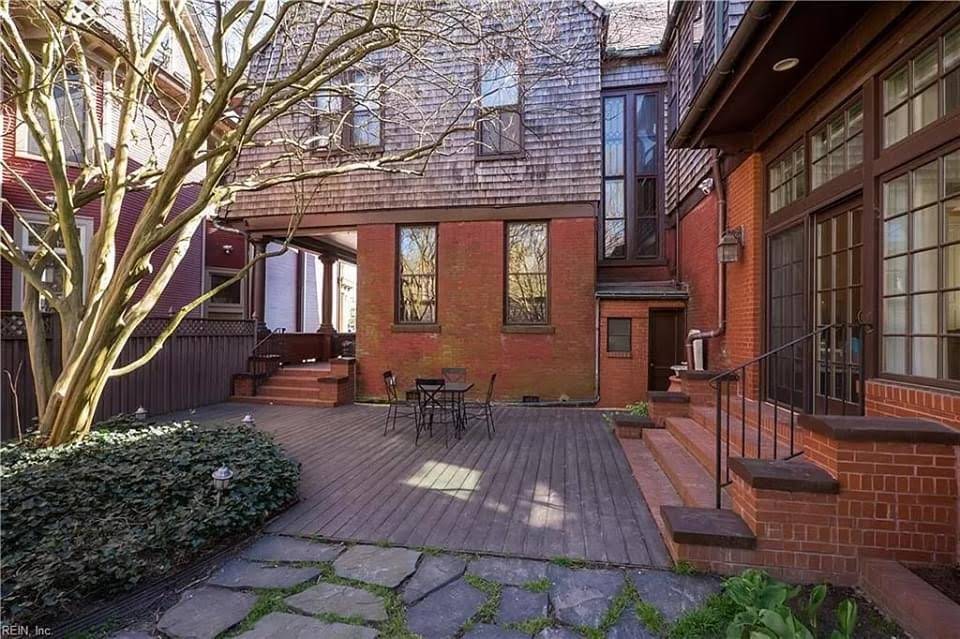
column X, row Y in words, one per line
column 799, row 145
column 398, row 276
column 824, row 125
column 23, row 140
column 484, row 112
column 219, row 307
column 629, row 336
column 85, row 228
column 342, row 119
column 506, row 275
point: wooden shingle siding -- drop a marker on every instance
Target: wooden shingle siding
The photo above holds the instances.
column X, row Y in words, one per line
column 562, row 146
column 631, row 72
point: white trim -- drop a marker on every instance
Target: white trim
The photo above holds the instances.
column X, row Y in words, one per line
column 215, row 307
column 20, row 234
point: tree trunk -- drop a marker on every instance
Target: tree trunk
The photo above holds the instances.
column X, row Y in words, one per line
column 38, row 351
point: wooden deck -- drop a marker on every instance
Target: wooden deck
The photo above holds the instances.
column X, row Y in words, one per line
column 552, row 482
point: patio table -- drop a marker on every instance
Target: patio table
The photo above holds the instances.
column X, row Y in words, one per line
column 454, row 392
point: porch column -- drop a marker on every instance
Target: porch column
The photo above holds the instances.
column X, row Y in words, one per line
column 259, row 282
column 326, row 313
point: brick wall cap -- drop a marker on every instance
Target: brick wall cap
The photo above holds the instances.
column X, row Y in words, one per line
column 879, row 429
column 706, row 375
column 707, row 527
column 790, row 476
column 668, row 397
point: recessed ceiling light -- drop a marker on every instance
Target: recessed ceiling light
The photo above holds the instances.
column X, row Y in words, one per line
column 786, row 64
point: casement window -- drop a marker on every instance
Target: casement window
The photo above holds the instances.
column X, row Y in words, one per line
column 349, row 117
column 52, row 273
column 417, row 274
column 837, row 146
column 526, row 273
column 618, row 335
column 228, row 302
column 922, row 89
column 72, row 115
column 500, row 126
column 787, row 179
column 921, row 271
column 631, row 176
column 328, row 118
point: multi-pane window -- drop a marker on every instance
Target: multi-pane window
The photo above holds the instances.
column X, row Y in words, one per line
column 787, row 179
column 500, row 125
column 837, row 146
column 27, row 240
column 417, row 274
column 921, row 271
column 526, row 269
column 348, row 117
column 365, row 123
column 72, row 115
column 327, row 119
column 618, row 335
column 922, row 89
column 631, row 170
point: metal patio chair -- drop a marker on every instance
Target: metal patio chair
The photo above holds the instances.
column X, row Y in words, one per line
column 432, row 407
column 398, row 407
column 483, row 410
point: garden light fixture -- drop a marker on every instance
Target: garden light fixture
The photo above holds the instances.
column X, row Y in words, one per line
column 247, row 420
column 221, row 480
column 141, row 414
column 728, row 250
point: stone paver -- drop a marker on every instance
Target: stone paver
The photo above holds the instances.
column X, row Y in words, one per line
column 581, row 597
column 241, row 574
column 434, row 571
column 338, row 600
column 279, row 548
column 203, row 613
column 509, row 572
column 517, row 604
column 442, row 612
column 131, row 634
column 374, row 565
column 486, row 631
column 288, row 626
column 557, row 633
column 672, row 594
column 630, row 627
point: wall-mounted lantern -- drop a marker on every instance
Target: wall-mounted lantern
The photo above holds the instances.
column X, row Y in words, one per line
column 728, row 250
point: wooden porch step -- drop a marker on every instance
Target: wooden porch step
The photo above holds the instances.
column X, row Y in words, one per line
column 690, row 479
column 284, row 401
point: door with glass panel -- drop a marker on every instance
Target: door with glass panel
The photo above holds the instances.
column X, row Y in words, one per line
column 786, row 316
column 838, row 294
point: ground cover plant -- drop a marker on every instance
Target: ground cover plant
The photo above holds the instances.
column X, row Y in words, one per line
column 130, row 502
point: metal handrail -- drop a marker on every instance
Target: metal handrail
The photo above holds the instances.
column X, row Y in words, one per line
column 782, row 347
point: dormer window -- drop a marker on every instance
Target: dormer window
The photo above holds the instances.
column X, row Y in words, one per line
column 500, row 127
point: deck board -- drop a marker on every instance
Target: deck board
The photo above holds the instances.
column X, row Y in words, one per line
column 551, row 482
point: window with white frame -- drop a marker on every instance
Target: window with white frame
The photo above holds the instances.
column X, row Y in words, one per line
column 921, row 271
column 229, row 301
column 28, row 242
column 72, row 114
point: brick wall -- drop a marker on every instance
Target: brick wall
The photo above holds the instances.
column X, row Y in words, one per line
column 470, row 311
column 624, row 376
column 902, row 400
column 698, row 255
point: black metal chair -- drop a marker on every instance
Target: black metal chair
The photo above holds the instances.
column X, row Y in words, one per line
column 398, row 407
column 431, row 405
column 483, row 410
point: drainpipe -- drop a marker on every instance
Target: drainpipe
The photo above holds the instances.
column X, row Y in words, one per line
column 721, row 268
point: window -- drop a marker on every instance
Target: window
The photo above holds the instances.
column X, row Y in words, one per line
column 348, row 117
column 229, row 301
column 417, row 274
column 921, row 271
column 922, row 89
column 697, row 63
column 631, row 176
column 618, row 335
column 52, row 273
column 787, row 179
column 526, row 269
column 327, row 119
column 72, row 112
column 500, row 125
column 365, row 123
column 837, row 146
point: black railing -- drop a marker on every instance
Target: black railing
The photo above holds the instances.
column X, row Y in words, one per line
column 265, row 357
column 820, row 372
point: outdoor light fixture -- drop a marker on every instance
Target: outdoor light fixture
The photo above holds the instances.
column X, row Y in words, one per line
column 141, row 414
column 728, row 250
column 247, row 420
column 221, row 480
column 228, row 248
column 786, row 64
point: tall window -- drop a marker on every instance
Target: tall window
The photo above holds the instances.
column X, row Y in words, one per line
column 327, row 119
column 921, row 271
column 500, row 126
column 365, row 123
column 72, row 113
column 348, row 117
column 922, row 89
column 837, row 146
column 631, row 176
column 417, row 274
column 526, row 270
column 787, row 179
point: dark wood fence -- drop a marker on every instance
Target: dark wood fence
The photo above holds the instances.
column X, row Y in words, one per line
column 192, row 369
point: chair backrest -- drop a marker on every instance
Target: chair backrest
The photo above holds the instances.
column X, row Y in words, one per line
column 429, row 391
column 391, row 383
column 493, row 378
column 454, row 374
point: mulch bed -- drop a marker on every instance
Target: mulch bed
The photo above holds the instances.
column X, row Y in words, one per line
column 871, row 623
column 946, row 579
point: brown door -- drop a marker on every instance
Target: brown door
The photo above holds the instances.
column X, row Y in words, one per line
column 784, row 373
column 666, row 346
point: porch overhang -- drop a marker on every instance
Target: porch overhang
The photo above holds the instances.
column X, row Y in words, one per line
column 640, row 291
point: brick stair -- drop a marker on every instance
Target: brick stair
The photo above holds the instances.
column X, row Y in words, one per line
column 309, row 385
column 706, row 417
column 690, row 479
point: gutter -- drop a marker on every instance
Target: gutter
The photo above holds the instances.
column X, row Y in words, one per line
column 755, row 17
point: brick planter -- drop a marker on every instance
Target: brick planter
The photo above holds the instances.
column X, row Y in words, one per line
column 632, row 426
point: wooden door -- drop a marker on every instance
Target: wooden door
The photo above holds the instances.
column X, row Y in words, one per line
column 665, row 348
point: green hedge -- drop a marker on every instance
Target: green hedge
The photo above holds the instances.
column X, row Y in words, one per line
column 127, row 503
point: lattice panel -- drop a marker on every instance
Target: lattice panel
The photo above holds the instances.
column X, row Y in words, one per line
column 13, row 326
column 153, row 326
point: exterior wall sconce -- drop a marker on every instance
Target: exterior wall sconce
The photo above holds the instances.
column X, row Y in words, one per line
column 728, row 250
column 228, row 248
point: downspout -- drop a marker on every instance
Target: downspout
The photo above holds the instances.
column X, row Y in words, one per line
column 721, row 268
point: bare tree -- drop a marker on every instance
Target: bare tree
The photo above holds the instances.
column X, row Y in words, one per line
column 273, row 95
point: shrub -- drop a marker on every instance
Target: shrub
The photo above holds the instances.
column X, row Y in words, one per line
column 97, row 517
column 639, row 409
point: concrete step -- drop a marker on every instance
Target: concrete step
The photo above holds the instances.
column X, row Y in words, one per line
column 690, row 479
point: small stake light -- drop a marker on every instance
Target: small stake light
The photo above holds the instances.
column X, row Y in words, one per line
column 141, row 414
column 728, row 250
column 247, row 420
column 221, row 480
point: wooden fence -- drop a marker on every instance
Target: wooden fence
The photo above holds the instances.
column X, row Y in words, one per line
column 192, row 369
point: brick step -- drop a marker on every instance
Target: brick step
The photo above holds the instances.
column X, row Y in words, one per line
column 690, row 479
column 306, row 374
column 740, row 405
column 284, row 401
column 295, row 392
column 706, row 417
column 696, row 440
column 656, row 487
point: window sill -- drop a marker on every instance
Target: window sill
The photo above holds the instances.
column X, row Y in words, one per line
column 618, row 355
column 415, row 328
column 528, row 329
column 519, row 155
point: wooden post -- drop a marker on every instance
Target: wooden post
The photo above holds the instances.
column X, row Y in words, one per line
column 326, row 322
